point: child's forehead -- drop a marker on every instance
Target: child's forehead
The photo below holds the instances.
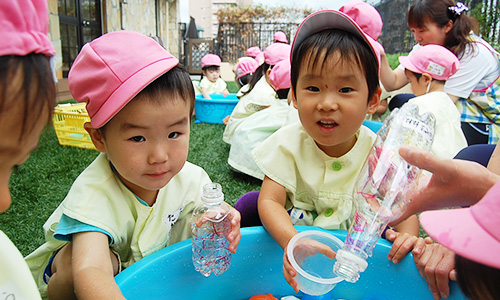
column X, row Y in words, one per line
column 320, row 62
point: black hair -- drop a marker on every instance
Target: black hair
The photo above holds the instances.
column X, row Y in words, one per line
column 257, row 75
column 37, row 90
column 438, row 12
column 283, row 93
column 317, row 48
column 477, row 281
column 245, row 79
column 418, row 75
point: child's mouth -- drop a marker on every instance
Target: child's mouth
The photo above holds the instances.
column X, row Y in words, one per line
column 327, row 124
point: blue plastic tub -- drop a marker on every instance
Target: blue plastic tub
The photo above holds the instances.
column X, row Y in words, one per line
column 257, row 269
column 215, row 109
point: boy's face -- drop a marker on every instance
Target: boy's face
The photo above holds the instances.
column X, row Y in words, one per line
column 332, row 103
column 148, row 142
column 418, row 86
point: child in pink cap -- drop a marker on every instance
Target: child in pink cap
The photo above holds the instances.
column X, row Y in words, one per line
column 258, row 94
column 311, row 166
column 211, row 82
column 244, row 69
column 137, row 196
column 27, row 99
column 427, row 70
column 280, row 37
column 473, row 233
column 253, row 52
column 259, row 126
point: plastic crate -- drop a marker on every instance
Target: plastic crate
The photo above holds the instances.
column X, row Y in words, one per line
column 68, row 120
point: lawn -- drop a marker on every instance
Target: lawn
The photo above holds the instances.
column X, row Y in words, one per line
column 40, row 184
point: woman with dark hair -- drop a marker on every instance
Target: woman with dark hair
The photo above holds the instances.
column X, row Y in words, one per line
column 472, row 88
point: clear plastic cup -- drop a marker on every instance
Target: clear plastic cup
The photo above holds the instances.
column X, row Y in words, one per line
column 309, row 253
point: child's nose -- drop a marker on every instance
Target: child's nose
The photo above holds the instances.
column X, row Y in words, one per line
column 158, row 154
column 329, row 102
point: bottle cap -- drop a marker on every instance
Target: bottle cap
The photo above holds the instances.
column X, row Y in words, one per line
column 212, row 193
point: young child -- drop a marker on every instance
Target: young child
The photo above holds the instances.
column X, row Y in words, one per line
column 258, row 94
column 280, row 37
column 27, row 99
column 473, row 233
column 244, row 70
column 259, row 126
column 427, row 70
column 253, row 52
column 311, row 166
column 211, row 83
column 138, row 194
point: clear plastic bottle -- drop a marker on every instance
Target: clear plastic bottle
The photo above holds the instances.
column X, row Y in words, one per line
column 382, row 186
column 210, row 226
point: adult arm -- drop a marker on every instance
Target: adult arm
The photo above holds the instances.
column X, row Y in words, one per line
column 454, row 182
column 93, row 267
column 391, row 79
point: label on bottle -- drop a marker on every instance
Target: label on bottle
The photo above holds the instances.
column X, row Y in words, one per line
column 421, row 128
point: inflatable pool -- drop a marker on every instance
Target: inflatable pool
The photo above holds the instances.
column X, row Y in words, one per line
column 215, row 109
column 257, row 269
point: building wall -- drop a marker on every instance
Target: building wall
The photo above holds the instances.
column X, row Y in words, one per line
column 136, row 15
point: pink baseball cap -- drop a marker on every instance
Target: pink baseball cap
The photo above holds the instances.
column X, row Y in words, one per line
column 260, row 58
column 112, row 69
column 245, row 66
column 367, row 17
column 210, row 60
column 253, row 51
column 280, row 36
column 276, row 52
column 332, row 19
column 434, row 60
column 472, row 232
column 280, row 75
column 24, row 26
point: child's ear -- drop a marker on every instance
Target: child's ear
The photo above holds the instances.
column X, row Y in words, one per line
column 291, row 95
column 427, row 78
column 95, row 136
column 374, row 101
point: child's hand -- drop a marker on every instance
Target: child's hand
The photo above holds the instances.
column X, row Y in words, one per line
column 226, row 120
column 436, row 264
column 289, row 272
column 402, row 243
column 225, row 93
column 234, row 236
column 302, row 250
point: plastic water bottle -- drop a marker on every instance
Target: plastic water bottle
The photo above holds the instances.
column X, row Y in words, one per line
column 382, row 186
column 210, row 226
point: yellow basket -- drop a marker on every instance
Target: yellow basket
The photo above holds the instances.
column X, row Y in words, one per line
column 68, row 122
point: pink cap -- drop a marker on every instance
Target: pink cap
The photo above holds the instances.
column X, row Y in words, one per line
column 276, row 52
column 434, row 60
column 210, row 60
column 367, row 17
column 245, row 66
column 332, row 19
column 112, row 69
column 253, row 51
column 260, row 58
column 24, row 26
column 473, row 232
column 280, row 75
column 280, row 36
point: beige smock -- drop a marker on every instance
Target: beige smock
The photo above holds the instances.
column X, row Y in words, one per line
column 98, row 198
column 319, row 188
column 16, row 281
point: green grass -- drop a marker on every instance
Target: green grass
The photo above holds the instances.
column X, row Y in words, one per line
column 40, row 184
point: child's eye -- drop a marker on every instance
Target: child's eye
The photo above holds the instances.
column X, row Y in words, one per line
column 313, row 88
column 173, row 135
column 345, row 90
column 138, row 139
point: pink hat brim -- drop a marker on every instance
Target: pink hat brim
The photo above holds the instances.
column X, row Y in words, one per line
column 459, row 231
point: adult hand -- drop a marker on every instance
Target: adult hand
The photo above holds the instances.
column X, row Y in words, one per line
column 453, row 182
column 436, row 264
